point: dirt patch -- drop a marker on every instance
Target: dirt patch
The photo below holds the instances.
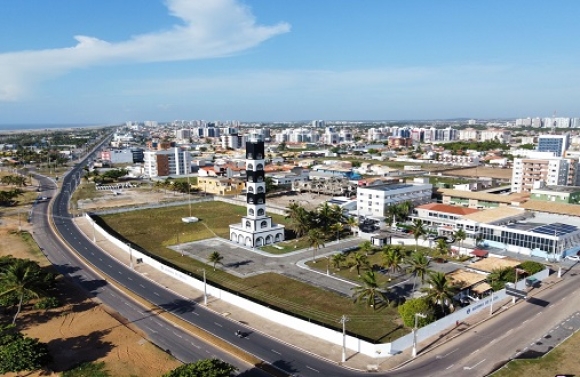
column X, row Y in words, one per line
column 82, row 329
column 481, row 172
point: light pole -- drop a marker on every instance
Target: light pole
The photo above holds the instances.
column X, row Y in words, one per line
column 344, row 319
column 130, row 255
column 414, row 351
column 327, row 265
column 204, row 288
column 94, row 234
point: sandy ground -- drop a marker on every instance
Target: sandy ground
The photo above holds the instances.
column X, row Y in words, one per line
column 82, row 329
column 482, row 172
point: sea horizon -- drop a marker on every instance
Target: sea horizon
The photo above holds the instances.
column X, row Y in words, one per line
column 46, row 126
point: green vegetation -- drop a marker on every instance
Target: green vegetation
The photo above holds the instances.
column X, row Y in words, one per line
column 205, row 368
column 19, row 353
column 88, row 370
column 481, row 146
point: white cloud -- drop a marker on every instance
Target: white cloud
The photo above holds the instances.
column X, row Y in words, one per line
column 208, row 29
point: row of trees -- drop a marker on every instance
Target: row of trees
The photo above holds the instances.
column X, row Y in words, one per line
column 7, row 196
column 13, row 180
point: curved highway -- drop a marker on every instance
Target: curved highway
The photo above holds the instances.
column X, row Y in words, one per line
column 283, row 356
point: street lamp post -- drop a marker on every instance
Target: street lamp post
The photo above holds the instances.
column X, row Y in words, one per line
column 414, row 351
column 204, row 288
column 344, row 319
column 130, row 255
column 327, row 265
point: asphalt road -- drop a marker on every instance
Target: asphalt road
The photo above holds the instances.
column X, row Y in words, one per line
column 473, row 354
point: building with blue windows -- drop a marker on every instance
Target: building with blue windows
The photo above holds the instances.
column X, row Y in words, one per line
column 557, row 144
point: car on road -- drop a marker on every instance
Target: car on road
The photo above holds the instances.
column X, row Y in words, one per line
column 575, row 258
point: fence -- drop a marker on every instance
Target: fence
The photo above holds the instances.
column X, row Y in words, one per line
column 298, row 324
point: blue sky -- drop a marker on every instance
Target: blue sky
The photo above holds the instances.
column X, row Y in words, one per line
column 109, row 61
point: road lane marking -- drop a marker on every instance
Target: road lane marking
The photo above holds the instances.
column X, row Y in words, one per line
column 474, row 351
column 450, row 366
column 276, row 352
column 194, row 313
column 156, row 294
column 469, row 368
column 217, row 324
column 538, row 314
column 317, row 371
column 195, row 345
column 141, row 285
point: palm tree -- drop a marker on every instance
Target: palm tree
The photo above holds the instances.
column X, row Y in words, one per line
column 366, row 247
column 337, row 227
column 24, row 279
column 499, row 276
column 460, row 236
column 369, row 291
column 215, row 258
column 418, row 229
column 392, row 260
column 352, row 223
column 441, row 248
column 316, row 241
column 300, row 219
column 440, row 291
column 359, row 261
column 337, row 260
column 418, row 266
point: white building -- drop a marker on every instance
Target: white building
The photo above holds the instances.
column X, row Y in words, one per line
column 166, row 163
column 375, row 200
column 529, row 172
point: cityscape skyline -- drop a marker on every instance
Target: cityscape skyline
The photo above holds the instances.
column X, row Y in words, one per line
column 95, row 63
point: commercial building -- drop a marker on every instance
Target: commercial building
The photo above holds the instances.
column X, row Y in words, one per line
column 538, row 234
column 376, row 199
column 558, row 194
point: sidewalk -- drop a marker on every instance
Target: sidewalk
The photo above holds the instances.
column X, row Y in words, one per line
column 308, row 343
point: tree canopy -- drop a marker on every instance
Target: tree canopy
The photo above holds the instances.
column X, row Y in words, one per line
column 203, row 368
column 19, row 353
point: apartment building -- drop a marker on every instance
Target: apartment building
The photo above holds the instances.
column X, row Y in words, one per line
column 557, row 144
column 530, row 173
column 166, row 163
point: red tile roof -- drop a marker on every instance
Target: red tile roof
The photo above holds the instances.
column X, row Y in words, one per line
column 447, row 208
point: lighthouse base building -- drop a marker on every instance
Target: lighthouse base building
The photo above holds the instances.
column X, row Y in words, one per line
column 256, row 229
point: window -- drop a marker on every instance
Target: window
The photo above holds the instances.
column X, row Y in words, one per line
column 260, row 189
column 251, row 189
column 250, row 166
column 264, row 224
column 251, row 212
column 259, row 167
column 261, row 212
column 248, row 225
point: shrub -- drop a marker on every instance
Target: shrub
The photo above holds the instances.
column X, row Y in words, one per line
column 47, row 303
column 532, row 267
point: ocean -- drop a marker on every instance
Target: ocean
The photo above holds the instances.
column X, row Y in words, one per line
column 39, row 127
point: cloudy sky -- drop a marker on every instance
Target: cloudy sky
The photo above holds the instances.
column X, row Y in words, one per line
column 110, row 61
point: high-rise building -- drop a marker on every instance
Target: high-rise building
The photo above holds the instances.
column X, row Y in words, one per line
column 557, row 144
column 166, row 163
column 256, row 228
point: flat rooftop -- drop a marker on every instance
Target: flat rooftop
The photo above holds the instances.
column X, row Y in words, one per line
column 491, row 215
column 491, row 263
column 389, row 187
column 508, row 199
column 555, row 188
column 465, row 279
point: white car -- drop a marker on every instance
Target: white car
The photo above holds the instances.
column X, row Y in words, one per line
column 573, row 257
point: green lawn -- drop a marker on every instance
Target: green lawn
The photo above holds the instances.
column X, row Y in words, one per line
column 155, row 229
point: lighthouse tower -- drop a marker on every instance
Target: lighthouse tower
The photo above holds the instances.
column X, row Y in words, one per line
column 256, row 228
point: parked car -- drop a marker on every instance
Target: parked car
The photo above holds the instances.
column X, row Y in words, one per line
column 575, row 258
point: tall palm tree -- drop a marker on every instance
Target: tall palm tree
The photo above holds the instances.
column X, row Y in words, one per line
column 316, row 241
column 392, row 259
column 337, row 228
column 418, row 266
column 300, row 219
column 441, row 248
column 418, row 229
column 24, row 279
column 358, row 261
column 352, row 223
column 337, row 260
column 460, row 236
column 215, row 258
column 440, row 291
column 369, row 291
